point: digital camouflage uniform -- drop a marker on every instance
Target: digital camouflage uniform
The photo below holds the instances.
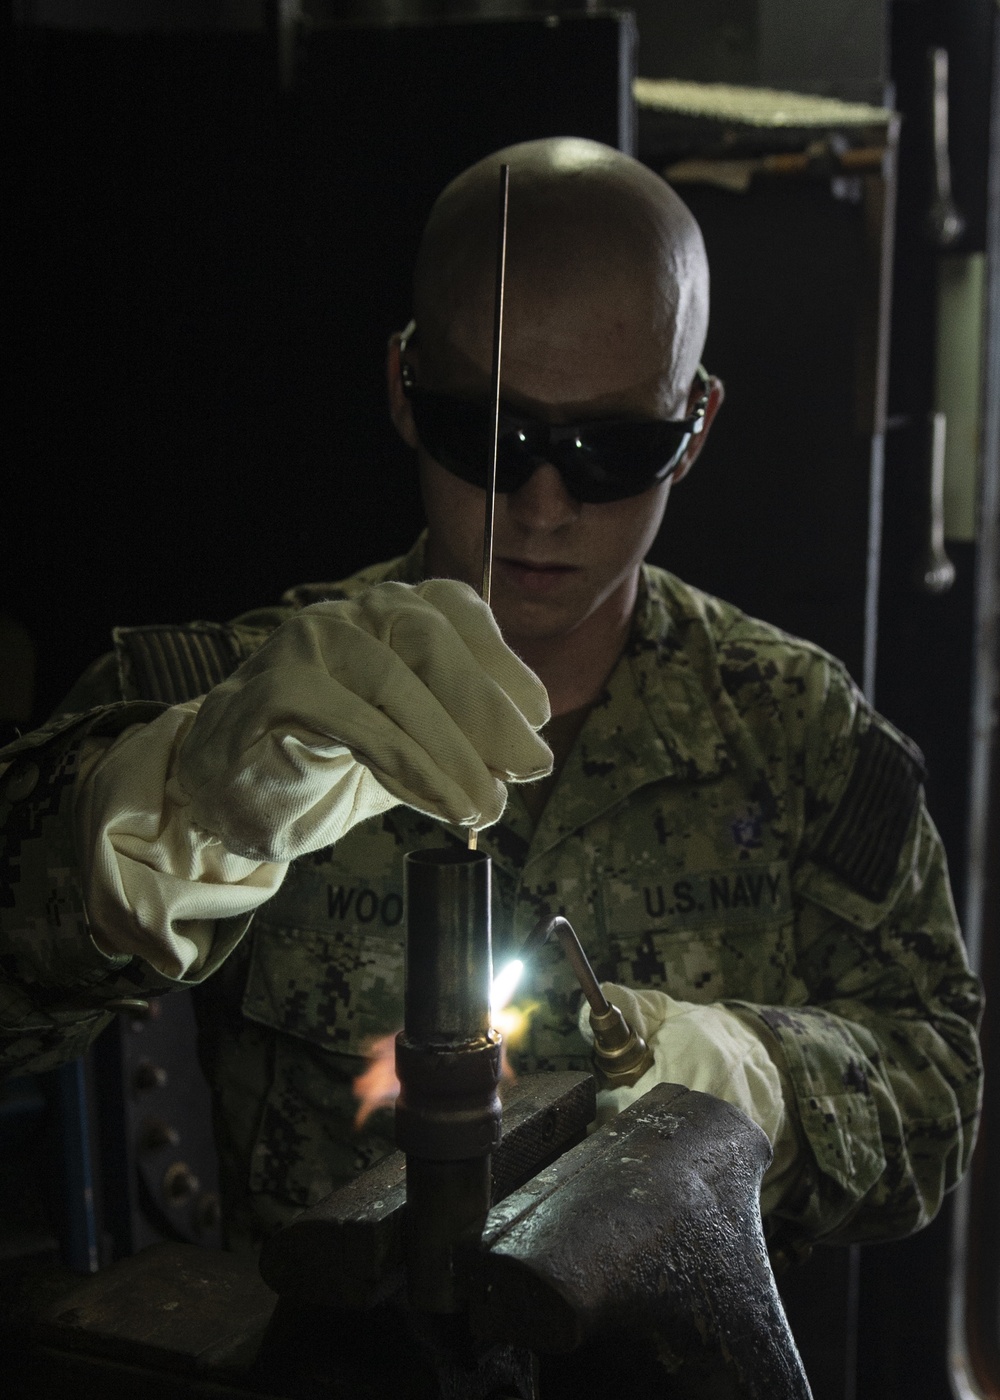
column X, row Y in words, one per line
column 733, row 824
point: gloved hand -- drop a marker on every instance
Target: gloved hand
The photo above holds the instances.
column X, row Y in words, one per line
column 712, row 1049
column 403, row 694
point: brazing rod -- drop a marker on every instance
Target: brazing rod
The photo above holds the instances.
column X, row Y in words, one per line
column 491, row 489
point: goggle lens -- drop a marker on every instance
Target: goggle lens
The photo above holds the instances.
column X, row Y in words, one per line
column 602, row 460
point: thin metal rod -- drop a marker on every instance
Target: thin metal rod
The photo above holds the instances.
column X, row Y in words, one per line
column 491, row 486
column 498, row 292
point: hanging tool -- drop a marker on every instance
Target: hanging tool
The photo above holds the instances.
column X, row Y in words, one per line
column 945, row 221
column 934, row 572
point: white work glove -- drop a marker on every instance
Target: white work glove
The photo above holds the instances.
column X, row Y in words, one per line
column 403, row 694
column 154, row 885
column 711, row 1049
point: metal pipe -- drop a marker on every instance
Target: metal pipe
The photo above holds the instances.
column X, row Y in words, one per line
column 449, row 972
column 448, row 1064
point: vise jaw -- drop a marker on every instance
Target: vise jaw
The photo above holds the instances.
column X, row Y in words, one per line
column 630, row 1264
column 649, row 1227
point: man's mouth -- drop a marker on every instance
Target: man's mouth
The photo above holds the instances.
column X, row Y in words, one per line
column 535, row 576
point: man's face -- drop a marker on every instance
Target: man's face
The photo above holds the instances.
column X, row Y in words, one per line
column 556, row 560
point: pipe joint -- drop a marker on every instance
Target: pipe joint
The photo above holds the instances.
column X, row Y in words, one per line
column 448, row 1109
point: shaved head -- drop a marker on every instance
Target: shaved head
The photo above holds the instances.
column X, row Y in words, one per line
column 605, row 315
column 603, row 258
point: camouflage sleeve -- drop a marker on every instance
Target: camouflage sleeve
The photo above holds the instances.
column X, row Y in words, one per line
column 57, row 989
column 884, row 1058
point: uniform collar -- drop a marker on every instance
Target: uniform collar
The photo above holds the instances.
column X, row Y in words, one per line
column 655, row 720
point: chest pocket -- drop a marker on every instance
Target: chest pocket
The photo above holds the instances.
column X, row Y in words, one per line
column 705, row 935
column 336, row 989
column 326, row 970
column 327, row 959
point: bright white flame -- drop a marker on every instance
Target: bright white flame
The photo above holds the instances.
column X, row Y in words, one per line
column 505, row 985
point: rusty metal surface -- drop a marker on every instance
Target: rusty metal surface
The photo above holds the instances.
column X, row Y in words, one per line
column 653, row 1222
column 543, row 1116
column 63, row 1375
column 347, row 1250
column 176, row 1307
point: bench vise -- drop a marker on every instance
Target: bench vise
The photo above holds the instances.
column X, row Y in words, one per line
column 536, row 1263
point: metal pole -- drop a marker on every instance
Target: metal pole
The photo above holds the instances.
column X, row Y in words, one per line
column 448, row 1064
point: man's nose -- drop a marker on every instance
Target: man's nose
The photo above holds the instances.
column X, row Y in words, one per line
column 543, row 503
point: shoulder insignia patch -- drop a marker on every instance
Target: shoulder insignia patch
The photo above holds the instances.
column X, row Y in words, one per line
column 174, row 664
column 865, row 835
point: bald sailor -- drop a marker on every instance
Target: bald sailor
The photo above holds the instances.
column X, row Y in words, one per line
column 739, row 840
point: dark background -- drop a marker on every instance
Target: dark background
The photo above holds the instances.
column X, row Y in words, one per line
column 208, row 266
column 205, row 266
column 209, row 269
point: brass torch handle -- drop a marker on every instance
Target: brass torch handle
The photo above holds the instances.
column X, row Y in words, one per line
column 621, row 1056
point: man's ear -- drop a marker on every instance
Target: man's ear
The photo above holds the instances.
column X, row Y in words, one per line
column 716, row 395
column 399, row 405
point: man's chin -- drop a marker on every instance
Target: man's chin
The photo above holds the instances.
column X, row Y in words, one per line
column 535, row 620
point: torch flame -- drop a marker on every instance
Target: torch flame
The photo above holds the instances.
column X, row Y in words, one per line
column 377, row 1087
column 504, row 986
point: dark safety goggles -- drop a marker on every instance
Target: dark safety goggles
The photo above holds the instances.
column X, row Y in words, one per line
column 604, row 459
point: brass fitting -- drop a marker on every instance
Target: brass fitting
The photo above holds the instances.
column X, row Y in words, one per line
column 621, row 1057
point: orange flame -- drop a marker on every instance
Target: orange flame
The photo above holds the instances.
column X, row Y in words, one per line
column 512, row 1022
column 377, row 1086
